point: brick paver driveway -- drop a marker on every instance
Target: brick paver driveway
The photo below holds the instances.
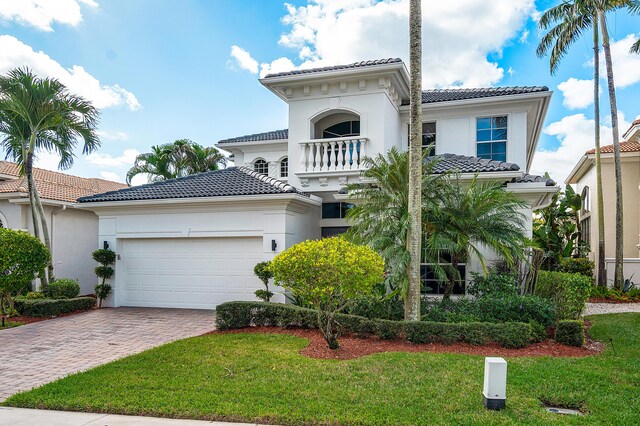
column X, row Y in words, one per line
column 38, row 353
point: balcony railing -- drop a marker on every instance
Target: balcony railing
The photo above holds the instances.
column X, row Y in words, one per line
column 328, row 155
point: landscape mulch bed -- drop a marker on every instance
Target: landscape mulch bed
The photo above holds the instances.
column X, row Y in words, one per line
column 28, row 320
column 354, row 347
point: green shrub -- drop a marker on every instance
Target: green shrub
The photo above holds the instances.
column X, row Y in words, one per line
column 328, row 273
column 52, row 307
column 264, row 295
column 22, row 257
column 264, row 274
column 570, row 332
column 63, row 289
column 568, row 292
column 578, row 265
column 493, row 285
column 377, row 307
column 538, row 331
column 232, row 315
column 104, row 257
column 34, row 295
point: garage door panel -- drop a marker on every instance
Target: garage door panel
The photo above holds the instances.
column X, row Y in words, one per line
column 189, row 272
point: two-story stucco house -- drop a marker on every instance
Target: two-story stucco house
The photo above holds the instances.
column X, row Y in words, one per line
column 193, row 242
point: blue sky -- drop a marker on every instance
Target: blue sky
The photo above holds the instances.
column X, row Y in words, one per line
column 161, row 70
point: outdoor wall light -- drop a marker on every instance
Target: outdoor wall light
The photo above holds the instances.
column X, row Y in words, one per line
column 494, row 393
column 105, row 245
column 274, row 245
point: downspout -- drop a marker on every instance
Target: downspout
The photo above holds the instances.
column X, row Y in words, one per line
column 53, row 214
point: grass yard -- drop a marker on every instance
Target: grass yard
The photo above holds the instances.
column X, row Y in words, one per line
column 10, row 324
column 262, row 378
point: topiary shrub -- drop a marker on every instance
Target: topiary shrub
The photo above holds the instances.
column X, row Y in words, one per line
column 570, row 332
column 568, row 292
column 328, row 273
column 538, row 331
column 262, row 271
column 106, row 258
column 63, row 289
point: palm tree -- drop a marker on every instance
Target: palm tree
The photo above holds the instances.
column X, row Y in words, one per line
column 380, row 217
column 180, row 158
column 414, row 237
column 473, row 216
column 40, row 115
column 569, row 21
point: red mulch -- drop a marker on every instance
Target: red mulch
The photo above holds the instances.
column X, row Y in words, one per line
column 354, row 347
column 614, row 301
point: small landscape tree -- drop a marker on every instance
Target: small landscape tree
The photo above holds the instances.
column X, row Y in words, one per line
column 105, row 258
column 262, row 271
column 21, row 258
column 328, row 273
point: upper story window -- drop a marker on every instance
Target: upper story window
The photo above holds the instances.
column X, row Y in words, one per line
column 586, row 200
column 284, row 167
column 335, row 210
column 261, row 166
column 428, row 136
column 491, row 138
column 341, row 130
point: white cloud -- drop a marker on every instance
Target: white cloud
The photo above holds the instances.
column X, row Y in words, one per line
column 626, row 66
column 577, row 93
column 111, row 176
column 140, row 179
column 576, row 136
column 244, row 59
column 112, row 136
column 43, row 13
column 127, row 158
column 47, row 161
column 455, row 45
column 14, row 53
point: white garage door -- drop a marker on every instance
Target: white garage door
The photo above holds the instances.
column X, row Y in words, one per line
column 188, row 273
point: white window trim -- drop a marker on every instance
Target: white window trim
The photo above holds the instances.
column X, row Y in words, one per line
column 474, row 138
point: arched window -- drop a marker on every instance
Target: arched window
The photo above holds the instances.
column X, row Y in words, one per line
column 3, row 221
column 343, row 129
column 261, row 166
column 284, row 167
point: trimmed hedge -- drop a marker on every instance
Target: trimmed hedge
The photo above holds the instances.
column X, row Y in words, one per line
column 232, row 315
column 52, row 307
column 570, row 332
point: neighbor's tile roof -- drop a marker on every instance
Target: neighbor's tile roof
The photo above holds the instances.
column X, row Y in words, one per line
column 232, row 181
column 467, row 164
column 54, row 185
column 360, row 64
column 629, row 146
column 266, row 136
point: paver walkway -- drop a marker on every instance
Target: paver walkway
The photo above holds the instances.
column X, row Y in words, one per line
column 611, row 308
column 34, row 354
column 26, row 417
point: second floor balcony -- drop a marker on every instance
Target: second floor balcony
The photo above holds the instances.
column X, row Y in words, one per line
column 336, row 156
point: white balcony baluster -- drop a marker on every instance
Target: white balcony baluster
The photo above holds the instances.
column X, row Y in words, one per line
column 333, row 155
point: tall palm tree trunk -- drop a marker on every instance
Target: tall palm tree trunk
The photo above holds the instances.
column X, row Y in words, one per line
column 414, row 239
column 36, row 213
column 618, row 274
column 602, row 277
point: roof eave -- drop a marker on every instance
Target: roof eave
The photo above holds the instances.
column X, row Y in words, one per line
column 223, row 145
column 578, row 170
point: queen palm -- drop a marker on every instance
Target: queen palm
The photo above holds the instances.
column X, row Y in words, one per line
column 414, row 236
column 567, row 22
column 381, row 218
column 40, row 115
column 474, row 216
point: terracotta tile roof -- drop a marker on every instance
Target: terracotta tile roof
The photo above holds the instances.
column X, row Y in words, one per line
column 55, row 185
column 629, row 146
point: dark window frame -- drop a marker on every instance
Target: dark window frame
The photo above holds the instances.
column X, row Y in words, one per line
column 339, row 207
column 490, row 138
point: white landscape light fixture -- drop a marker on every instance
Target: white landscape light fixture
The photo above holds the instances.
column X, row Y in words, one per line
column 494, row 393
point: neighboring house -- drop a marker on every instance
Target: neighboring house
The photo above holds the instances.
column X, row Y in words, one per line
column 193, row 242
column 73, row 232
column 583, row 176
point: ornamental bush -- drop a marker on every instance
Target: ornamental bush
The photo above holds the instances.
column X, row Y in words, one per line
column 52, row 307
column 21, row 258
column 578, row 265
column 64, row 288
column 328, row 274
column 570, row 332
column 568, row 292
column 493, row 284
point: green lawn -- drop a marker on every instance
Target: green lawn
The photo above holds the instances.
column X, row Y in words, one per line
column 10, row 324
column 262, row 378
